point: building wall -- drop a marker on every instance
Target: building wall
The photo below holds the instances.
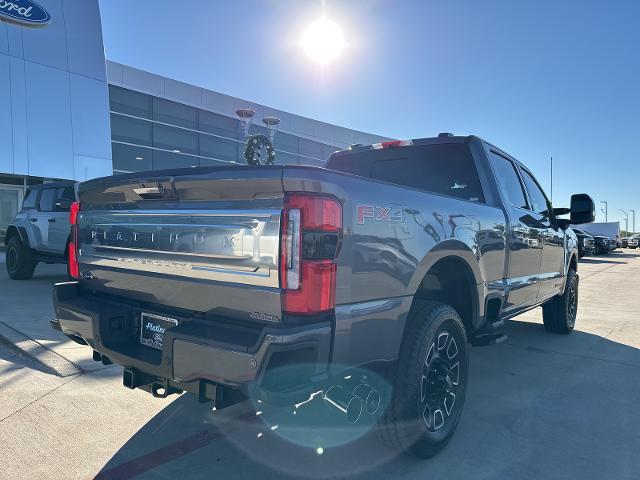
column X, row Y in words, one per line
column 158, row 122
column 54, row 103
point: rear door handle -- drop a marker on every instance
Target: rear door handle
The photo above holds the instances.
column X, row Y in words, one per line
column 33, row 219
column 51, row 220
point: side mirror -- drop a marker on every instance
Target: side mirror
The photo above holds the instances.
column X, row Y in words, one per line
column 63, row 205
column 583, row 209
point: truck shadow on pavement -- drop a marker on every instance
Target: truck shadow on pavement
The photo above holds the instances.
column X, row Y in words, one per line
column 538, row 406
column 598, row 261
column 26, row 309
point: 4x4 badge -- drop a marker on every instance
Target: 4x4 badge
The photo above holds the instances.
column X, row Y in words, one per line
column 379, row 213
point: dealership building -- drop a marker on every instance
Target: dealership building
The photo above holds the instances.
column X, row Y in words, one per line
column 68, row 113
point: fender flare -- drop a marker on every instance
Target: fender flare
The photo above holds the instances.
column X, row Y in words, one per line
column 20, row 231
column 461, row 252
column 447, row 248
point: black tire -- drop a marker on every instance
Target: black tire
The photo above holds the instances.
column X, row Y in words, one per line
column 430, row 381
column 597, row 250
column 19, row 260
column 559, row 315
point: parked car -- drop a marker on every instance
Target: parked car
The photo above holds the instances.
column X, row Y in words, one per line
column 624, row 242
column 603, row 244
column 213, row 280
column 586, row 243
column 40, row 230
column 634, row 241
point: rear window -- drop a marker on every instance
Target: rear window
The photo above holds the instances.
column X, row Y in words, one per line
column 446, row 169
column 67, row 193
column 29, row 201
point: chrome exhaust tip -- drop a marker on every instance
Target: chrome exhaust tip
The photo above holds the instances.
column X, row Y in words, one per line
column 346, row 402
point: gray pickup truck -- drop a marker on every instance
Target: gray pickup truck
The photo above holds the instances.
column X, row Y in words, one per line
column 393, row 259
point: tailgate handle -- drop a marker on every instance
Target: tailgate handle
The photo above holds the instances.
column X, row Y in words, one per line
column 149, row 192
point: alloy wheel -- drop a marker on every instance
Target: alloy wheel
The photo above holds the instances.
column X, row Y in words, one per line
column 440, row 381
column 572, row 304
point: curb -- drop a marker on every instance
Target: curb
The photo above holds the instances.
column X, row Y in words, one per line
column 34, row 350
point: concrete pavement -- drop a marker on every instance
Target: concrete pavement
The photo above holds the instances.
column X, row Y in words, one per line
column 537, row 406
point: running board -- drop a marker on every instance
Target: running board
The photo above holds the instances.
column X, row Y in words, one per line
column 487, row 339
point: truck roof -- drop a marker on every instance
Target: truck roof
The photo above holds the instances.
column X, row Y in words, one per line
column 440, row 139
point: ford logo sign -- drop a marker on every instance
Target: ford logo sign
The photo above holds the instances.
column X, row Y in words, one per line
column 24, row 12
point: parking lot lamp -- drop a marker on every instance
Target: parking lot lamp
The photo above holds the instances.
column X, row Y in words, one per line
column 606, row 210
column 634, row 220
column 626, row 219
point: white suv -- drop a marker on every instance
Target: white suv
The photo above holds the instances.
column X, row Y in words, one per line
column 40, row 231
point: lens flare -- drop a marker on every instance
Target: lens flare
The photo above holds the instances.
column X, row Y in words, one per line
column 323, row 41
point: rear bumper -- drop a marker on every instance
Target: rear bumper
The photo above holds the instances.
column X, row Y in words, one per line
column 197, row 350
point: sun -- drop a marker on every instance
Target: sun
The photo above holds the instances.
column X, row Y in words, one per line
column 323, row 41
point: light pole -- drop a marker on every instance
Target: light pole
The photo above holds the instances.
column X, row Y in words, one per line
column 606, row 210
column 551, row 179
column 626, row 218
column 634, row 220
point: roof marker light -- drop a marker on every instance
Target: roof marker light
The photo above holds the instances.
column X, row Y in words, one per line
column 392, row 144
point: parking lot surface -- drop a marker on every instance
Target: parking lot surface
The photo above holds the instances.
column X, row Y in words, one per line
column 538, row 405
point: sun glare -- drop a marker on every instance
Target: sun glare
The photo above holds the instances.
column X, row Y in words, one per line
column 323, row 41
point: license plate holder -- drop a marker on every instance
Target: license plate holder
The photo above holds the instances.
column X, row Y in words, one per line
column 153, row 328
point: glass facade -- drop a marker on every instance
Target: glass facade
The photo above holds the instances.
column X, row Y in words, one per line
column 151, row 133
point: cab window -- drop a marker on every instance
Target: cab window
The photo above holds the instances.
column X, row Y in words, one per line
column 508, row 180
column 539, row 203
column 447, row 169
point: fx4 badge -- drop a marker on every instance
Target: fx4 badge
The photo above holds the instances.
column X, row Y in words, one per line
column 379, row 213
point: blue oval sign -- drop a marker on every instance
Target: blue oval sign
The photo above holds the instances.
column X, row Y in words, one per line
column 24, row 12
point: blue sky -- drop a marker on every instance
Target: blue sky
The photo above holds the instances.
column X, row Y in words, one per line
column 537, row 78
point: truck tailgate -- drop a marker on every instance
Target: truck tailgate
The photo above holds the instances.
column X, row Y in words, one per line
column 191, row 239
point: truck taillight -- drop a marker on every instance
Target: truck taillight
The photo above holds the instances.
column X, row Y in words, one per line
column 74, row 268
column 310, row 243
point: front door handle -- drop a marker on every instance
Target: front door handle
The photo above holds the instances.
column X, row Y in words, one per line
column 51, row 220
column 33, row 219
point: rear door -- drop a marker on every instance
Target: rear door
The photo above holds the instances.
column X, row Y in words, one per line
column 59, row 226
column 525, row 236
column 40, row 218
column 553, row 249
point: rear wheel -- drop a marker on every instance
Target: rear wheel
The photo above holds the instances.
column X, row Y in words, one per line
column 559, row 315
column 19, row 260
column 430, row 384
